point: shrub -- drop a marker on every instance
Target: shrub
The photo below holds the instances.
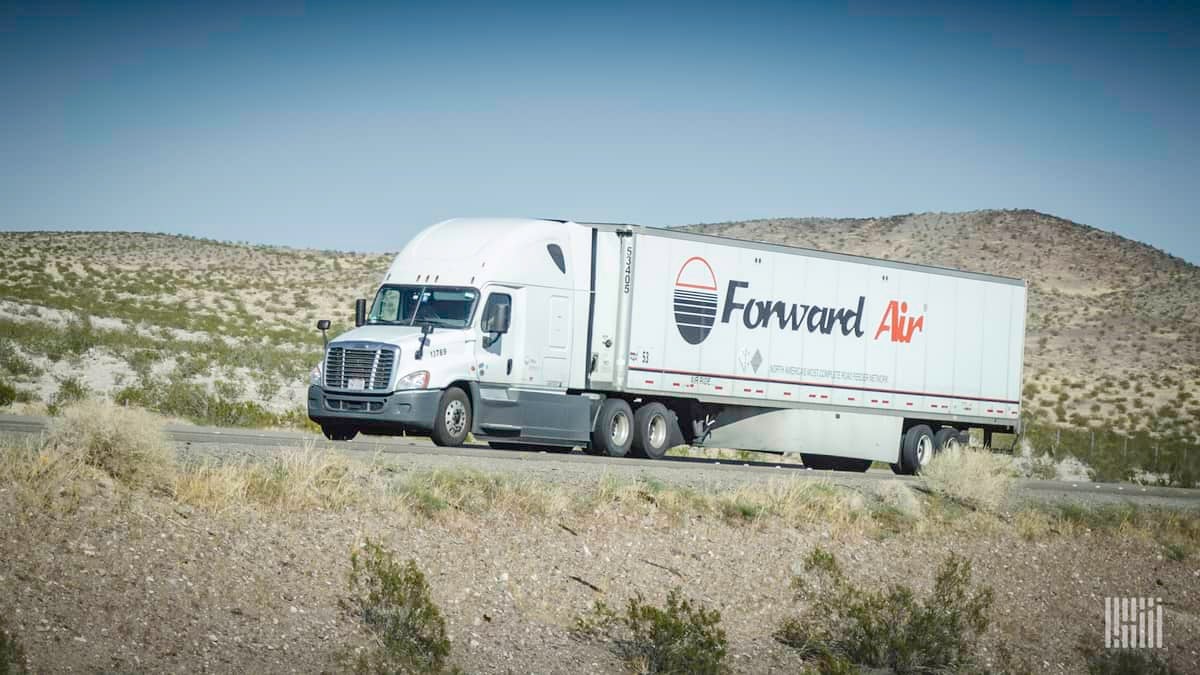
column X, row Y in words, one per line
column 126, row 443
column 976, row 478
column 8, row 394
column 70, row 390
column 680, row 638
column 1127, row 662
column 392, row 600
column 888, row 629
column 12, row 655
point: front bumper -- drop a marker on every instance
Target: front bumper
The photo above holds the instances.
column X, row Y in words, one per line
column 412, row 411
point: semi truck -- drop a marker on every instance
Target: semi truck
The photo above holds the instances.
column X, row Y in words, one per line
column 623, row 339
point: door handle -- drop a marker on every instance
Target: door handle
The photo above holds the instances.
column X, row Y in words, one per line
column 509, row 371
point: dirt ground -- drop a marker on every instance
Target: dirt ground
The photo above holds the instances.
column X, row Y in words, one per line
column 133, row 582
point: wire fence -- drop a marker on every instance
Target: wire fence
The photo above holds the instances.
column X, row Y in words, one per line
column 1170, row 458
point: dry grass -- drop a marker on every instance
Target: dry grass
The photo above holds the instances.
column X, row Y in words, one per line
column 128, row 444
column 289, row 480
column 896, row 495
column 975, row 478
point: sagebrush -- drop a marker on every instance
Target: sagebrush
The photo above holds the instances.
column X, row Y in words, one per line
column 680, row 637
column 393, row 601
column 891, row 628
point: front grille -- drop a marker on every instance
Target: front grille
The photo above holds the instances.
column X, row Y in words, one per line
column 353, row 406
column 373, row 366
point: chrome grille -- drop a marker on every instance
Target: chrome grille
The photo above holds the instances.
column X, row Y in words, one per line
column 372, row 365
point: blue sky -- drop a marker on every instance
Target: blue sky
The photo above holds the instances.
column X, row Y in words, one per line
column 353, row 125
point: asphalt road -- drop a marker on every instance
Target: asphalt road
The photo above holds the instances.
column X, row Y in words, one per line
column 421, row 453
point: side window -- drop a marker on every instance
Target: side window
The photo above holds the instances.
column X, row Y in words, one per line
column 492, row 310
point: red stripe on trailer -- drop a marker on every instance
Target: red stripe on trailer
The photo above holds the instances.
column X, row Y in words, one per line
column 649, row 381
column 908, row 403
column 886, row 402
column 874, row 400
column 824, row 395
column 758, row 391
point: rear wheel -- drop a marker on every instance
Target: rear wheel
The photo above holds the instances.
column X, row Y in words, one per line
column 947, row 439
column 652, row 431
column 916, row 450
column 453, row 421
column 338, row 432
column 613, row 433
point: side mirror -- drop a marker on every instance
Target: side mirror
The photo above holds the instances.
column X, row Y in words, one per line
column 360, row 312
column 323, row 325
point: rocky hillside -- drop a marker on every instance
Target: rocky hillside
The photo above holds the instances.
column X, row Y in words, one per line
column 209, row 331
column 1113, row 336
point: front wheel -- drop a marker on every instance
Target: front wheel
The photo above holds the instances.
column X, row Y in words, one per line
column 453, row 421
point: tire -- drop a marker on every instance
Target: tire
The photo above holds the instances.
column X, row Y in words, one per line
column 828, row 463
column 453, row 420
column 917, row 450
column 614, row 429
column 335, row 432
column 652, row 432
column 947, row 439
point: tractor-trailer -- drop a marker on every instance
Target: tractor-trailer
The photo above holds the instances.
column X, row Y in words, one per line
column 622, row 339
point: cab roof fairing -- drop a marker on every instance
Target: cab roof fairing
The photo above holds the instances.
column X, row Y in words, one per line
column 477, row 251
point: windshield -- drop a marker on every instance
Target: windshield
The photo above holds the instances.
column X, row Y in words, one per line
column 445, row 307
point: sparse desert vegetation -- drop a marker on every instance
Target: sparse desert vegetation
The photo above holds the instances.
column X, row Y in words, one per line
column 303, row 559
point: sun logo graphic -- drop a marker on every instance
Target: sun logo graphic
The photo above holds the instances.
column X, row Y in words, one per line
column 695, row 300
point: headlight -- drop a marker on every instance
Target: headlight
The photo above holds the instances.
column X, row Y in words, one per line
column 315, row 375
column 417, row 380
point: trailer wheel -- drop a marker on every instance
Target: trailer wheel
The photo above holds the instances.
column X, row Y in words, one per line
column 917, row 450
column 337, row 432
column 453, row 421
column 947, row 439
column 652, row 432
column 614, row 429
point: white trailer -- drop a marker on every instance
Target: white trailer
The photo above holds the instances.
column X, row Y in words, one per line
column 619, row 339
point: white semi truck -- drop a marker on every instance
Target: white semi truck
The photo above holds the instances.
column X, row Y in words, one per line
column 625, row 339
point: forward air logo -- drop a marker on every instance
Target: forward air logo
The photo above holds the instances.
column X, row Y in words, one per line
column 899, row 327
column 695, row 300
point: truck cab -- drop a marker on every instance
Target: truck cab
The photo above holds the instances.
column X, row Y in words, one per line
column 474, row 328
